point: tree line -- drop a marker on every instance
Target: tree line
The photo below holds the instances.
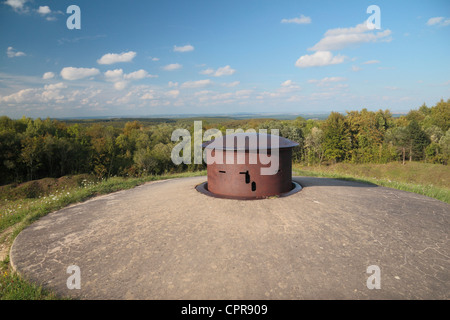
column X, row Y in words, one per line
column 35, row 148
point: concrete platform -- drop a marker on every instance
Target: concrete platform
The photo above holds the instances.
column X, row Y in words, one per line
column 165, row 240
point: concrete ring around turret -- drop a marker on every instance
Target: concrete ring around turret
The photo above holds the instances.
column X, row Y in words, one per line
column 165, row 240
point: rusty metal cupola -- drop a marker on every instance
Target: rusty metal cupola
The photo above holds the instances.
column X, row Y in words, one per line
column 241, row 165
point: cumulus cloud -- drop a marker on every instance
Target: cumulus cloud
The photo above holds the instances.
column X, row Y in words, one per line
column 327, row 80
column 114, row 75
column 440, row 21
column 37, row 95
column 12, row 53
column 55, row 86
column 287, row 83
column 371, row 62
column 207, row 71
column 172, row 84
column 121, row 79
column 120, row 85
column 185, row 48
column 196, row 84
column 172, row 66
column 319, row 59
column 173, row 93
column 339, row 38
column 243, row 93
column 288, row 86
column 300, row 20
column 52, row 92
column 44, row 10
column 148, row 96
column 21, row 96
column 222, row 71
column 71, row 73
column 137, row 75
column 17, row 5
column 48, row 75
column 111, row 58
column 231, row 84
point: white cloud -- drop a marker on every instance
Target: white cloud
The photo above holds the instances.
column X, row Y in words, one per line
column 185, row 48
column 17, row 5
column 440, row 21
column 137, row 75
column 287, row 83
column 371, row 62
column 70, row 73
column 319, row 59
column 326, row 81
column 172, row 66
column 120, row 85
column 114, row 75
column 207, row 71
column 288, row 86
column 121, row 79
column 147, row 96
column 21, row 96
column 173, row 93
column 300, row 20
column 435, row 20
column 172, row 84
column 202, row 93
column 48, row 75
column 224, row 71
column 243, row 93
column 111, row 58
column 231, row 84
column 154, row 58
column 52, row 92
column 339, row 38
column 55, row 86
column 44, row 10
column 12, row 53
column 196, row 84
column 356, row 68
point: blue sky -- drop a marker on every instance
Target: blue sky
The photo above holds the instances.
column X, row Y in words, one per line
column 139, row 58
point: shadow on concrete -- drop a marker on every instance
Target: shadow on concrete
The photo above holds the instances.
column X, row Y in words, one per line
column 331, row 182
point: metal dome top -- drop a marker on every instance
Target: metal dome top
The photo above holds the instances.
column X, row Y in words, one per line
column 248, row 141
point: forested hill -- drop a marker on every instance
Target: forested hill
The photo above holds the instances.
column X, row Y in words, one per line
column 32, row 149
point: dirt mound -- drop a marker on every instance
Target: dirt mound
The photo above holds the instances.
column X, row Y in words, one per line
column 42, row 187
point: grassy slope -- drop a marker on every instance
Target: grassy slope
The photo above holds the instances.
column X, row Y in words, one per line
column 18, row 212
column 432, row 180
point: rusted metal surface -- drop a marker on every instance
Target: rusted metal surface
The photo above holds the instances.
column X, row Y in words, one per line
column 237, row 171
column 248, row 141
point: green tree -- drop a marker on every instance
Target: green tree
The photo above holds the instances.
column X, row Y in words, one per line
column 31, row 154
column 440, row 115
column 444, row 144
column 336, row 140
column 398, row 138
column 417, row 141
column 314, row 146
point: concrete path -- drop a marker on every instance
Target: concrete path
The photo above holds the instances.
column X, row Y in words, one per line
column 165, row 240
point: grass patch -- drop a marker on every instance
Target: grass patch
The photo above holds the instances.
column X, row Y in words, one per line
column 431, row 180
column 19, row 208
